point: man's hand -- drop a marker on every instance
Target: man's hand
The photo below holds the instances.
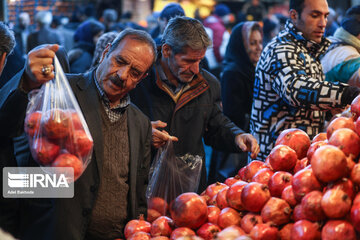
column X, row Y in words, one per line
column 39, row 58
column 247, row 143
column 159, row 138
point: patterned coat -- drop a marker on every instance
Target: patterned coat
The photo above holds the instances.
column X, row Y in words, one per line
column 289, row 89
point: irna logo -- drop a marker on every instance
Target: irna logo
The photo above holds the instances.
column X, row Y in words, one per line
column 36, row 180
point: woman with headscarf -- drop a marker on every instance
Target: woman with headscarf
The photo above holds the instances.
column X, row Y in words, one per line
column 237, row 82
column 85, row 37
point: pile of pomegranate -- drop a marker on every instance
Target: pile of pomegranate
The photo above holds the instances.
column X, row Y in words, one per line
column 306, row 189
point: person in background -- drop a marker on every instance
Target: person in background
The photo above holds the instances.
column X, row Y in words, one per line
column 112, row 189
column 237, row 82
column 254, row 10
column 22, row 31
column 45, row 34
column 59, row 23
column 101, row 44
column 183, row 100
column 332, row 24
column 85, row 37
column 109, row 18
column 342, row 60
column 271, row 29
column 290, row 90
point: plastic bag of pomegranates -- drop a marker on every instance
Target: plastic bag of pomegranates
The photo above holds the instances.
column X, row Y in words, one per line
column 170, row 176
column 57, row 132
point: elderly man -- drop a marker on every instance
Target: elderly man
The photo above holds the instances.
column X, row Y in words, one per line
column 185, row 99
column 111, row 191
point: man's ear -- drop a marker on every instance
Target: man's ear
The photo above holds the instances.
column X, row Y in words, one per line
column 2, row 62
column 166, row 50
column 106, row 50
column 293, row 14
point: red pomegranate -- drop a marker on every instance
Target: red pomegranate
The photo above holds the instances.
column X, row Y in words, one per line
column 277, row 211
column 311, row 206
column 338, row 229
column 304, row 229
column 56, row 124
column 278, row 182
column 347, row 140
column 45, row 151
column 344, row 184
column 32, row 123
column 336, row 203
column 228, row 217
column 288, row 195
column 181, row 232
column 355, row 106
column 340, row 122
column 296, row 139
column 285, row 232
column 267, row 162
column 156, row 238
column 329, row 163
column 231, row 232
column 152, row 215
column 139, row 236
column 304, row 182
column 213, row 214
column 301, row 164
column 320, row 137
column 241, row 173
column 356, row 199
column 233, row 195
column 355, row 174
column 69, row 160
column 135, row 225
column 252, row 168
column 162, row 226
column 313, row 147
column 355, row 215
column 208, row 231
column 158, row 204
column 298, row 213
column 221, row 200
column 214, row 188
column 357, row 126
column 282, row 158
column 264, row 231
column 75, row 120
column 189, row 210
column 231, row 180
column 249, row 221
column 254, row 196
column 263, row 176
column 79, row 143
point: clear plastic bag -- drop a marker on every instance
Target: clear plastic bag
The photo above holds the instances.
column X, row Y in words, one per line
column 170, row 176
column 57, row 132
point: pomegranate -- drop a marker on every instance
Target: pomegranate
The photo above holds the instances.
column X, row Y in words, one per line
column 337, row 123
column 264, row 231
column 56, row 124
column 228, row 217
column 32, row 123
column 288, row 195
column 277, row 211
column 313, row 147
column 249, row 221
column 252, row 168
column 338, row 229
column 347, row 140
column 139, row 236
column 320, row 137
column 79, row 143
column 152, row 215
column 344, row 184
column 357, row 126
column 189, row 210
column 311, row 206
column 181, row 232
column 263, row 176
column 356, row 199
column 335, row 203
column 45, row 151
column 285, row 232
column 355, row 174
column 282, row 158
column 221, row 200
column 162, row 226
column 241, row 173
column 230, row 233
column 329, row 163
column 304, row 229
column 214, row 188
column 231, row 180
column 75, row 120
column 69, row 160
column 267, row 162
column 301, row 164
column 304, row 182
column 298, row 213
column 158, row 204
column 213, row 214
column 278, row 182
column 254, row 196
column 233, row 195
column 134, row 226
column 355, row 106
column 208, row 231
column 355, row 215
column 296, row 139
column 159, row 238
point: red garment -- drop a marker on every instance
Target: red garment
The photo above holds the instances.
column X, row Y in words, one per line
column 217, row 26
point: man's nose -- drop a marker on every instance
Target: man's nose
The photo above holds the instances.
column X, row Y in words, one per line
column 123, row 73
column 323, row 21
column 194, row 68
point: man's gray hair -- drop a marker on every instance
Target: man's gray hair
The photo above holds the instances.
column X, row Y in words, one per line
column 184, row 32
column 135, row 34
column 7, row 39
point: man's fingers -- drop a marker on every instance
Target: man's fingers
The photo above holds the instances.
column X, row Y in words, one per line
column 158, row 124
